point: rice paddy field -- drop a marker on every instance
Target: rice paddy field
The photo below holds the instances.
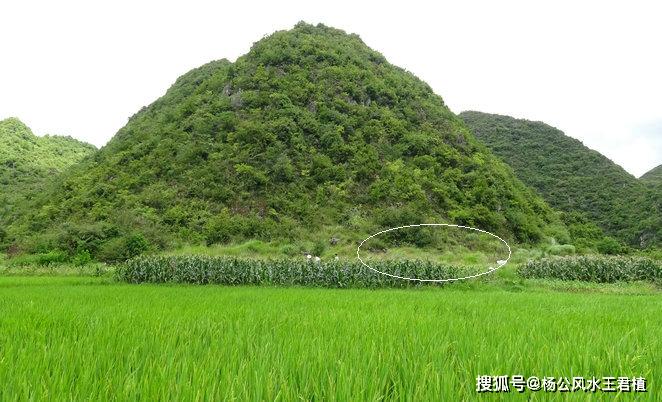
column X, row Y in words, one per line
column 84, row 338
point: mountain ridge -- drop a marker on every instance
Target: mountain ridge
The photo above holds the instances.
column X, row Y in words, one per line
column 653, row 176
column 571, row 176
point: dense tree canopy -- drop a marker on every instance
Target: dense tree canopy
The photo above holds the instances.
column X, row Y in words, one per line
column 653, row 176
column 310, row 129
column 28, row 162
column 574, row 178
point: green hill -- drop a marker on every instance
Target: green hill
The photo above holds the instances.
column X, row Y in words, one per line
column 309, row 134
column 653, row 176
column 28, row 163
column 573, row 178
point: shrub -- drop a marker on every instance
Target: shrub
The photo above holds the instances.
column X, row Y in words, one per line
column 319, row 248
column 289, row 250
column 219, row 230
column 223, row 228
column 74, row 237
column 82, row 258
column 135, row 245
column 123, row 248
column 561, row 249
column 594, row 269
column 395, row 217
column 609, row 246
column 559, row 233
column 53, row 257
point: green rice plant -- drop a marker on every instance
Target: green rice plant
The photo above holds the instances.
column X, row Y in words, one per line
column 92, row 269
column 236, row 271
column 602, row 269
column 88, row 339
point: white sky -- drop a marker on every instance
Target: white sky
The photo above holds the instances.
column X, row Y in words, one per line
column 591, row 69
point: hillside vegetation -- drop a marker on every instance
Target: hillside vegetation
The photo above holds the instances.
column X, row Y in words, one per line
column 589, row 187
column 28, row 163
column 653, row 176
column 311, row 133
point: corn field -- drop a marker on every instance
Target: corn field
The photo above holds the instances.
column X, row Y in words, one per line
column 236, row 271
column 600, row 269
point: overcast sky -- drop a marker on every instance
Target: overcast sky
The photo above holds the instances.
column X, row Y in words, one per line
column 591, row 69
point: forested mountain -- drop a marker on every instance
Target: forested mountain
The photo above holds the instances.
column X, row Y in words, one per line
column 573, row 178
column 28, row 162
column 653, row 176
column 311, row 129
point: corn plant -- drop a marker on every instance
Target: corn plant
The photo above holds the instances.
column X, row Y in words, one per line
column 235, row 271
column 600, row 269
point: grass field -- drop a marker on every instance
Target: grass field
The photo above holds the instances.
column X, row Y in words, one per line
column 82, row 338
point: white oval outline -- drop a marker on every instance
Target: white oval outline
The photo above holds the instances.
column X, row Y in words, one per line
column 500, row 263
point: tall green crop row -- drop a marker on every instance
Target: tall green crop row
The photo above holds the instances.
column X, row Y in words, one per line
column 594, row 269
column 236, row 271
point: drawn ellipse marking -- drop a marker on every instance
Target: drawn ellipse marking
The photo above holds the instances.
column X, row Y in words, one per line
column 499, row 263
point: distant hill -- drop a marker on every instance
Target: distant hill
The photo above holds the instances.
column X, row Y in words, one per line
column 653, row 176
column 29, row 162
column 572, row 177
column 309, row 134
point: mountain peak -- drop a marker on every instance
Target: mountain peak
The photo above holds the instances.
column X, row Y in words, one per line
column 14, row 127
column 653, row 175
column 307, row 43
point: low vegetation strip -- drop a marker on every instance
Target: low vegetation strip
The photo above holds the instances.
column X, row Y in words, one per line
column 236, row 271
column 600, row 269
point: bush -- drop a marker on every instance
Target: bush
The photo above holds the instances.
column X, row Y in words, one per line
column 233, row 271
column 53, row 257
column 559, row 233
column 82, row 258
column 289, row 250
column 594, row 269
column 135, row 245
column 74, row 237
column 561, row 249
column 223, row 228
column 415, row 236
column 319, row 248
column 609, row 246
column 123, row 248
column 219, row 230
